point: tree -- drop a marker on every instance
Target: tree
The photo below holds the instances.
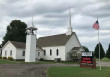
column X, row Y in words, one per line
column 108, row 52
column 96, row 52
column 85, row 48
column 16, row 31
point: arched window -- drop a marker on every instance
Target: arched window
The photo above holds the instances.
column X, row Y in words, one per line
column 11, row 53
column 44, row 52
column 57, row 52
column 50, row 52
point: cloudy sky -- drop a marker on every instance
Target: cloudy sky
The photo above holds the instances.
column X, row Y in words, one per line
column 51, row 17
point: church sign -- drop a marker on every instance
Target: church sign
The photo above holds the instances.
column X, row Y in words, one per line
column 87, row 60
column 87, row 57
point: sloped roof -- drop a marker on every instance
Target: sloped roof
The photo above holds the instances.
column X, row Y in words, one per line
column 18, row 44
column 55, row 40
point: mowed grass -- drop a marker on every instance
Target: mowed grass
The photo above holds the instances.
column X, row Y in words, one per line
column 7, row 61
column 75, row 71
column 4, row 61
column 104, row 59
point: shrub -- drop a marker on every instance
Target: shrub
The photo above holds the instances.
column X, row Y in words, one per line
column 4, row 57
column 0, row 57
column 10, row 58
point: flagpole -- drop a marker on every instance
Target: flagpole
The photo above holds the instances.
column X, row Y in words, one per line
column 99, row 50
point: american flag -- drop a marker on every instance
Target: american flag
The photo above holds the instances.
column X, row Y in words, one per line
column 96, row 25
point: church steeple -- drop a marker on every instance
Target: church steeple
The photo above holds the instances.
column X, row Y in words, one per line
column 69, row 32
column 30, row 54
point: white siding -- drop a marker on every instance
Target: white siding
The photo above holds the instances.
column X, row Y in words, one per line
column 19, row 54
column 0, row 51
column 40, row 55
column 53, row 56
column 30, row 48
column 9, row 46
column 72, row 42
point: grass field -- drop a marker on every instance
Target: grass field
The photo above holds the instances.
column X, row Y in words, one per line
column 75, row 71
column 104, row 59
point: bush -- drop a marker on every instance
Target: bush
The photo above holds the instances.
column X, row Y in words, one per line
column 4, row 57
column 0, row 57
column 10, row 58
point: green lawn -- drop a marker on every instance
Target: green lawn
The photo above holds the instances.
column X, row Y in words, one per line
column 7, row 62
column 73, row 71
column 104, row 59
column 2, row 61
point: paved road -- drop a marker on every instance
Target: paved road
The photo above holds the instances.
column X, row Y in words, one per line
column 31, row 70
column 103, row 63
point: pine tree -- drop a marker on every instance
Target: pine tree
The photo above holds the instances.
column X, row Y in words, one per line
column 108, row 52
column 96, row 52
column 16, row 31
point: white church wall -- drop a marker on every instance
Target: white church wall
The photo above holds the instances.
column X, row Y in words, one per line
column 0, row 51
column 61, row 55
column 19, row 54
column 9, row 47
column 39, row 54
column 72, row 42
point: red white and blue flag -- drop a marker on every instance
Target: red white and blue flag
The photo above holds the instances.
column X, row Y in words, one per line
column 96, row 25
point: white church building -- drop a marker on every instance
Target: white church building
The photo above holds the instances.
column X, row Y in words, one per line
column 47, row 48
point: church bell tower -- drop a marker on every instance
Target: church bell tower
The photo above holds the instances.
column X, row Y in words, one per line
column 30, row 53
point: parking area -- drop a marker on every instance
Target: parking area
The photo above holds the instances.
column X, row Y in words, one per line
column 25, row 70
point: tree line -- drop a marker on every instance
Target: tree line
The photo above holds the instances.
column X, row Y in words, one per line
column 102, row 52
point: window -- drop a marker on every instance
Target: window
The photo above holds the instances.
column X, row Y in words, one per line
column 23, row 53
column 57, row 52
column 44, row 52
column 38, row 53
column 5, row 53
column 50, row 52
column 11, row 53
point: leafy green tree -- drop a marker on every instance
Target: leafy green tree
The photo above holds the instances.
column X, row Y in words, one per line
column 108, row 52
column 16, row 31
column 96, row 52
column 85, row 48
